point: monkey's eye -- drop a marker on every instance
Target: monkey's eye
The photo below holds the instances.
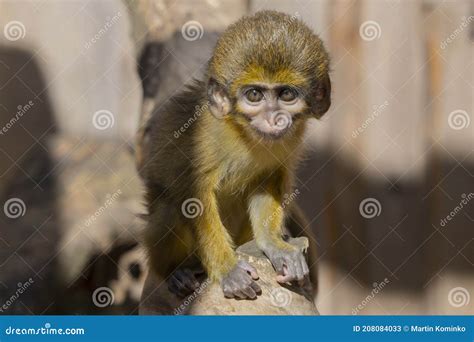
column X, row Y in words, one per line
column 254, row 95
column 288, row 95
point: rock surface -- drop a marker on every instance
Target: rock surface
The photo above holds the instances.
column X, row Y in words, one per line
column 208, row 299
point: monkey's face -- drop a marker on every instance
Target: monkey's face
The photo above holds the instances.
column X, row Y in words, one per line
column 270, row 109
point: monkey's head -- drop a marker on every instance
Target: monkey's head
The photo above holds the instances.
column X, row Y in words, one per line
column 269, row 70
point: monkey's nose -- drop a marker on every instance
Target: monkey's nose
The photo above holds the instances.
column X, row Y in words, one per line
column 280, row 120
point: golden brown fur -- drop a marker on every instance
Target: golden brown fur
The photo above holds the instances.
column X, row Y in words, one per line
column 239, row 177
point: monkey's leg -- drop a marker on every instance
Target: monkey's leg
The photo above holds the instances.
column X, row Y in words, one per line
column 297, row 225
column 171, row 244
column 217, row 254
column 267, row 217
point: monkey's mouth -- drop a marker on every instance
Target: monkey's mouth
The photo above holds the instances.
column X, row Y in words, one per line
column 271, row 134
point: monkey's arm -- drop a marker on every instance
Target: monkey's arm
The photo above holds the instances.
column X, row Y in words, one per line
column 267, row 216
column 217, row 253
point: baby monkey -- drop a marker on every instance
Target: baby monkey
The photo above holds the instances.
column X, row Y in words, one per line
column 221, row 157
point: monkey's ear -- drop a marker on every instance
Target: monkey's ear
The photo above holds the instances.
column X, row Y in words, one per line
column 322, row 97
column 219, row 102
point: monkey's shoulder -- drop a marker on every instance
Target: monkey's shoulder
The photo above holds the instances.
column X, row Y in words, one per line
column 175, row 116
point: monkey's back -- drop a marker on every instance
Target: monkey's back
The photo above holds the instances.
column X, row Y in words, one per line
column 168, row 170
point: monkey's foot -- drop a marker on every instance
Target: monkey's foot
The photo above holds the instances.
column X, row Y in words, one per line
column 290, row 265
column 240, row 282
column 185, row 281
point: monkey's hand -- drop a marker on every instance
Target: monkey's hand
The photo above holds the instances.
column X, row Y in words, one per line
column 290, row 264
column 240, row 282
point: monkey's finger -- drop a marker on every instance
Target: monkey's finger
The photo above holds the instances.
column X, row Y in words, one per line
column 199, row 271
column 228, row 292
column 291, row 266
column 256, row 287
column 299, row 275
column 176, row 289
column 282, row 275
column 279, row 264
column 190, row 280
column 189, row 284
column 239, row 294
column 183, row 280
column 249, row 292
column 305, row 269
column 283, row 278
column 236, row 285
column 289, row 273
column 172, row 288
column 250, row 269
column 305, row 266
column 175, row 282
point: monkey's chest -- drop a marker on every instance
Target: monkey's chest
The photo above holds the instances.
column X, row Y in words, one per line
column 239, row 176
column 242, row 171
column 236, row 182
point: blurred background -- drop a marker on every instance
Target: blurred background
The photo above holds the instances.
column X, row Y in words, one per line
column 388, row 184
